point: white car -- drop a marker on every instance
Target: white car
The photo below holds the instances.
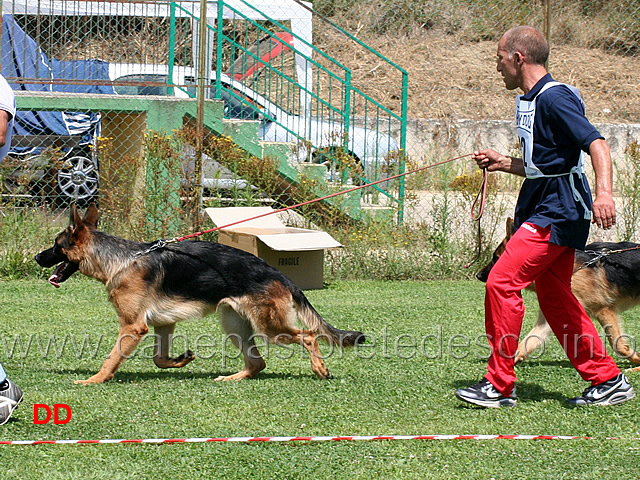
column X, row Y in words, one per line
column 365, row 146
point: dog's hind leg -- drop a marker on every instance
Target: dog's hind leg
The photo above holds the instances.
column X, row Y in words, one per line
column 308, row 340
column 239, row 330
column 534, row 339
column 128, row 339
column 274, row 315
column 611, row 323
column 163, row 338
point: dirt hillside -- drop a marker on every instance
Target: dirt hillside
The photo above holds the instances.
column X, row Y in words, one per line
column 450, row 79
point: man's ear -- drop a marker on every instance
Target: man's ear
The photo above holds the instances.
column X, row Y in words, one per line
column 519, row 58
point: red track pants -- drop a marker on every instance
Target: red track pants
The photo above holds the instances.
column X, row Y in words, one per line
column 530, row 257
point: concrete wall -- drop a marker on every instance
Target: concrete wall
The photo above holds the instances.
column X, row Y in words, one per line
column 428, row 140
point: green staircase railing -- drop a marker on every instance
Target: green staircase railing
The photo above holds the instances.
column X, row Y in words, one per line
column 303, row 96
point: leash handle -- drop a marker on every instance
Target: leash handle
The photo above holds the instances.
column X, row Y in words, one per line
column 480, row 197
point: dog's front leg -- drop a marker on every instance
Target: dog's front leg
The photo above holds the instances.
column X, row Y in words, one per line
column 163, row 338
column 612, row 325
column 128, row 340
column 534, row 339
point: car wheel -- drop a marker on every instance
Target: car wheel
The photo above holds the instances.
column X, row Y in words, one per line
column 78, row 179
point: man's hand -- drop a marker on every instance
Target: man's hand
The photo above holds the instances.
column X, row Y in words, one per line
column 493, row 161
column 604, row 211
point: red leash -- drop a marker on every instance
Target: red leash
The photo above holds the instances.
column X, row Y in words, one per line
column 482, row 198
column 161, row 243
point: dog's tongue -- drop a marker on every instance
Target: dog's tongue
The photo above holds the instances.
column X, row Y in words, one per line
column 55, row 276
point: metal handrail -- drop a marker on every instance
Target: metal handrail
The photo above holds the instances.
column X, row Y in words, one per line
column 343, row 107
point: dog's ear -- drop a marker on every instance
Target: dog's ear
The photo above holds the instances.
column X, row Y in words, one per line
column 91, row 216
column 509, row 226
column 74, row 217
column 90, row 219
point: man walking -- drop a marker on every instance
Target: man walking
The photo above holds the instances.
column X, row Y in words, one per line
column 552, row 218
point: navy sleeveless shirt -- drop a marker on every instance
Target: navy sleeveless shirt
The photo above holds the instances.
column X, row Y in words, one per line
column 557, row 193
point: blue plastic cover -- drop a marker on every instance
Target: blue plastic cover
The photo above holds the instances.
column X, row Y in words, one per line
column 23, row 58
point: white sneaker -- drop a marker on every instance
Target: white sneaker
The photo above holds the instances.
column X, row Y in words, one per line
column 611, row 392
column 9, row 400
column 484, row 394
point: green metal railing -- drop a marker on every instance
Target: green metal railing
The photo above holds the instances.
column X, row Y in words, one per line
column 327, row 114
column 263, row 68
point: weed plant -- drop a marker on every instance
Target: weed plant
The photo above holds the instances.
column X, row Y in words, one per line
column 152, row 197
column 628, row 183
column 24, row 231
column 439, row 246
column 32, row 174
column 147, row 197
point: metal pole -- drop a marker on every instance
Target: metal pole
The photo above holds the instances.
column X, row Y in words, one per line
column 547, row 26
column 202, row 77
column 403, row 146
column 172, row 46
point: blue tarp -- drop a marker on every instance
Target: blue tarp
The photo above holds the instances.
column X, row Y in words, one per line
column 23, row 58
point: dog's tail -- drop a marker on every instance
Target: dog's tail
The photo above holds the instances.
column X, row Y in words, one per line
column 314, row 322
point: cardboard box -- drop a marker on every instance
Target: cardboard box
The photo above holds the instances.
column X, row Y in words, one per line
column 296, row 252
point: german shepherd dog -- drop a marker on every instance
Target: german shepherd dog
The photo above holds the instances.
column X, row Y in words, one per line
column 189, row 279
column 605, row 286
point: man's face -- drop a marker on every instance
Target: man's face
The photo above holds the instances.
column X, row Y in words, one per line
column 508, row 67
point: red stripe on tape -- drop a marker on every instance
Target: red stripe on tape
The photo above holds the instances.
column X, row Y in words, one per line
column 302, row 439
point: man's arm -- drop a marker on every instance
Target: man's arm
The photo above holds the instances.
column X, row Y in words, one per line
column 604, row 209
column 4, row 123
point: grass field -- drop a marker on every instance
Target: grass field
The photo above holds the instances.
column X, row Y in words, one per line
column 425, row 341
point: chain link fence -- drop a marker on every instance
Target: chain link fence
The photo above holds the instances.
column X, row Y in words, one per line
column 457, row 101
column 115, row 106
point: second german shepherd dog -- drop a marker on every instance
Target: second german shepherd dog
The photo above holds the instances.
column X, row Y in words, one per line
column 189, row 279
column 605, row 288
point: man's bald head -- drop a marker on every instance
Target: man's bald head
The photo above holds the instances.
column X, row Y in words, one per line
column 528, row 41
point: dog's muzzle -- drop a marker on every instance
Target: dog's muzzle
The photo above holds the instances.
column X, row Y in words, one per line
column 64, row 269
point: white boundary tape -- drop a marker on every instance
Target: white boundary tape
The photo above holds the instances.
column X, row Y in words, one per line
column 302, row 439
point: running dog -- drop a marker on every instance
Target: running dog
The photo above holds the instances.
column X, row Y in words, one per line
column 606, row 281
column 157, row 287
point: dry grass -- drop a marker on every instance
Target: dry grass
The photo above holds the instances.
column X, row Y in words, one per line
column 451, row 62
column 451, row 78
